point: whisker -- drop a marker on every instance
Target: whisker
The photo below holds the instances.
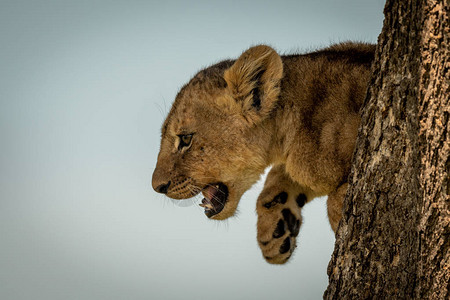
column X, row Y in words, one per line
column 160, row 109
column 218, row 200
column 217, row 189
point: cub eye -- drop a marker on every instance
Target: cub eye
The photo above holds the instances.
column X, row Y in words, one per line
column 185, row 140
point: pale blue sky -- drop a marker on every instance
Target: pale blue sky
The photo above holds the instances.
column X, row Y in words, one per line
column 84, row 88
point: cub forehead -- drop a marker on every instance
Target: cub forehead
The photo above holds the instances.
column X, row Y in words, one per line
column 180, row 114
column 184, row 114
column 195, row 100
column 193, row 106
column 183, row 120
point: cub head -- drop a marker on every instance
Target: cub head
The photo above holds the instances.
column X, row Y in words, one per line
column 217, row 136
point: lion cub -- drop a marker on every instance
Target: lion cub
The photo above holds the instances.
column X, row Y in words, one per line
column 297, row 113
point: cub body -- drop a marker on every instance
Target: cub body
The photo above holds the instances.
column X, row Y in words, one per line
column 296, row 113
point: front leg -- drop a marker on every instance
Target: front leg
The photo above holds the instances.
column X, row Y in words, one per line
column 279, row 215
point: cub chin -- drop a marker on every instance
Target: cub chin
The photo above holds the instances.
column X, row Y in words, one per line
column 296, row 113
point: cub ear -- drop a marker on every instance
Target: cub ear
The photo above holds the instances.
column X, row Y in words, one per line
column 253, row 82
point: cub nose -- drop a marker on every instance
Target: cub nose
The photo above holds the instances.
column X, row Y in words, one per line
column 163, row 188
column 161, row 179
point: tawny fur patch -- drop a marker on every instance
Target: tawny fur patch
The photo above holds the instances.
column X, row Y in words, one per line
column 298, row 113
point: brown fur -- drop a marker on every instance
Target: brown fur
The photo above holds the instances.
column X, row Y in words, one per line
column 299, row 113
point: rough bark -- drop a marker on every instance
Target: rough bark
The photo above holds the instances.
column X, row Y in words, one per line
column 393, row 241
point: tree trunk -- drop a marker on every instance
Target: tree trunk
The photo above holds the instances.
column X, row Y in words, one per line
column 393, row 241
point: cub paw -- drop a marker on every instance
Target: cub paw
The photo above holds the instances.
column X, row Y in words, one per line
column 279, row 221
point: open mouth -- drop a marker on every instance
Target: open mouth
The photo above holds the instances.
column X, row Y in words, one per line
column 216, row 196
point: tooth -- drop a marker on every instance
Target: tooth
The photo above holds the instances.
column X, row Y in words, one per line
column 206, row 205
